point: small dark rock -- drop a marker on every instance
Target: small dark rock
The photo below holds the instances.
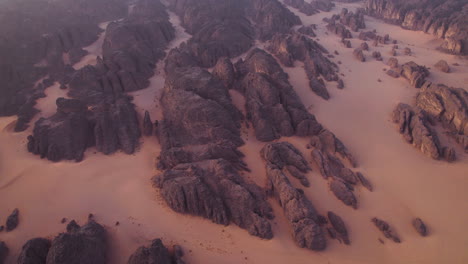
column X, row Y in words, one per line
column 420, row 226
column 13, row 220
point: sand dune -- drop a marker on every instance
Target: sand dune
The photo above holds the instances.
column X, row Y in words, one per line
column 407, row 183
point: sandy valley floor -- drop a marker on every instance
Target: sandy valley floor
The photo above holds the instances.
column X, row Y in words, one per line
column 407, row 183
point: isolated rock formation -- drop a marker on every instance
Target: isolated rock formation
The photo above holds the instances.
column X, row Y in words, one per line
column 12, row 220
column 156, row 253
column 420, row 227
column 359, row 55
column 34, row 251
column 444, row 19
column 147, row 125
column 385, row 228
column 442, row 66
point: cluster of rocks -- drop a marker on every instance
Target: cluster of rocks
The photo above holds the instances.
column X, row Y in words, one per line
column 88, row 244
column 444, row 19
column 289, row 48
column 282, row 159
column 42, row 44
column 101, row 114
column 310, row 8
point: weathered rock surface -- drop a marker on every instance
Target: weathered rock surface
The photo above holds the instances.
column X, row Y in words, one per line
column 287, row 158
column 12, row 220
column 414, row 73
column 385, row 228
column 291, row 47
column 224, row 71
column 420, row 227
column 79, row 245
column 442, row 66
column 449, row 106
column 444, row 19
column 34, row 251
column 415, row 129
column 377, row 56
column 213, row 189
column 156, row 253
column 392, row 62
column 299, row 211
column 272, row 105
column 339, row 226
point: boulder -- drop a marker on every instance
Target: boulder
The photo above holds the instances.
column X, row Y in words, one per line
column 155, row 253
column 359, row 55
column 3, row 252
column 442, row 66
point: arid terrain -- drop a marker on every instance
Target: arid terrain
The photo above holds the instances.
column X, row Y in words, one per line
column 116, row 183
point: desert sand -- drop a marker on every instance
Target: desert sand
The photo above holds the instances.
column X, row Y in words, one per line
column 407, row 184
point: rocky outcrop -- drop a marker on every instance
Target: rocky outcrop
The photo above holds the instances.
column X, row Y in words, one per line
column 329, row 155
column 224, row 71
column 214, row 189
column 377, row 56
column 359, row 55
column 414, row 73
column 298, row 210
column 3, row 252
column 156, row 253
column 338, row 29
column 34, row 251
column 442, row 66
column 12, row 221
column 444, row 19
column 339, row 226
column 420, row 227
column 449, row 106
column 385, row 228
column 296, row 47
column 304, row 7
column 414, row 127
column 79, row 245
column 272, row 105
column 287, row 158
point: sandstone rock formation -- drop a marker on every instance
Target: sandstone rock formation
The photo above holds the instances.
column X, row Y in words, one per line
column 35, row 46
column 79, row 245
column 339, row 226
column 415, row 129
column 307, row 30
column 444, row 19
column 442, row 66
column 147, row 125
column 420, row 227
column 449, row 106
column 12, row 220
column 156, row 253
column 291, row 47
column 359, row 55
column 34, row 251
column 302, row 216
column 214, row 189
column 385, row 228
column 272, row 105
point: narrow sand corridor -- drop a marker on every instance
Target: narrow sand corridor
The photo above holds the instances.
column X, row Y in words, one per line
column 94, row 50
column 118, row 187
